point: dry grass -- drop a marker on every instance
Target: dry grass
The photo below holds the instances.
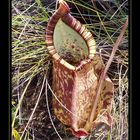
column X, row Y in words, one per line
column 31, row 66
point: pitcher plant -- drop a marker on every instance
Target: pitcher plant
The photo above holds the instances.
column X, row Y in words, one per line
column 76, row 72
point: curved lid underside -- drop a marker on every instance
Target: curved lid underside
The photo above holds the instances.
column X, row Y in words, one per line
column 69, row 44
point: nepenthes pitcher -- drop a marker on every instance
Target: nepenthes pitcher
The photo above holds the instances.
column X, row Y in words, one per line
column 76, row 72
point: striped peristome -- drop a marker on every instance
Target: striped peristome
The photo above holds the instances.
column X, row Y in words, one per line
column 63, row 13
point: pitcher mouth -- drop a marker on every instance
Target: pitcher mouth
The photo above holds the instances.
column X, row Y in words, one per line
column 63, row 13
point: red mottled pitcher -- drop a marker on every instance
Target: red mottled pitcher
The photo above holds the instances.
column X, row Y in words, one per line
column 76, row 72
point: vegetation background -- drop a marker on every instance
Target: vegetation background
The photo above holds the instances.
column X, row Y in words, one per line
column 31, row 66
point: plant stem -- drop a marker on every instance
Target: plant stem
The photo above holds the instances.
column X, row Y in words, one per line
column 102, row 77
